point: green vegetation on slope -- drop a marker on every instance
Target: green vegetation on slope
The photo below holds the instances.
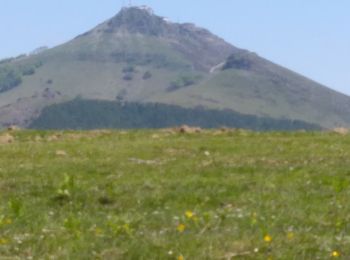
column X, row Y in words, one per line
column 9, row 78
column 161, row 195
column 276, row 95
column 184, row 80
column 11, row 74
column 93, row 114
column 242, row 60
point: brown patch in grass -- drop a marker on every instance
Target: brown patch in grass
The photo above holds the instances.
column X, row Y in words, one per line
column 340, row 130
column 61, row 153
column 6, row 138
column 54, row 137
column 185, row 129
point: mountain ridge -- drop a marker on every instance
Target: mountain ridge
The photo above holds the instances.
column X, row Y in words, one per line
column 143, row 21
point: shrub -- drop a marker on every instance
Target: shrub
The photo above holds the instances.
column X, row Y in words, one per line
column 241, row 61
column 27, row 70
column 7, row 60
column 9, row 78
column 129, row 69
column 128, row 76
column 183, row 81
column 147, row 75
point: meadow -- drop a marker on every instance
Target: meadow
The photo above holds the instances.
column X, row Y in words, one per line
column 161, row 194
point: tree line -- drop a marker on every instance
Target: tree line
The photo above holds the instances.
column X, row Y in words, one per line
column 94, row 114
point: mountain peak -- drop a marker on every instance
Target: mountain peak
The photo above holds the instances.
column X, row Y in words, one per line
column 197, row 45
column 137, row 19
column 142, row 8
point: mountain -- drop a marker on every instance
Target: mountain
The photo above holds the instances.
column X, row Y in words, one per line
column 139, row 57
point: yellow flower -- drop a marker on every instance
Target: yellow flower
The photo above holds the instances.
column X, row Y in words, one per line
column 189, row 214
column 3, row 241
column 268, row 239
column 5, row 221
column 335, row 254
column 180, row 257
column 290, row 235
column 181, row 228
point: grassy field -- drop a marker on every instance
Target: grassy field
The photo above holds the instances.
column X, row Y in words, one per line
column 166, row 195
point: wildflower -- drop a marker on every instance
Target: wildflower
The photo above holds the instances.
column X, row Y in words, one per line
column 3, row 241
column 98, row 231
column 290, row 235
column 268, row 239
column 335, row 254
column 5, row 221
column 180, row 257
column 189, row 214
column 181, row 228
column 170, row 252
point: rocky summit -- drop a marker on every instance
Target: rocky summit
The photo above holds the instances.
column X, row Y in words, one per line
column 203, row 48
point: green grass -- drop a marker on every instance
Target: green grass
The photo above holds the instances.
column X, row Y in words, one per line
column 122, row 195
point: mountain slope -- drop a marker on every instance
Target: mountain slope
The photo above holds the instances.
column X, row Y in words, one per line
column 275, row 92
column 138, row 56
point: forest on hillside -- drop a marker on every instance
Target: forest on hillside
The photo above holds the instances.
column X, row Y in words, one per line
column 94, row 114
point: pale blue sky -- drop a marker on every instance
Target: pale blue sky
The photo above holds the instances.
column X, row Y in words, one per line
column 311, row 37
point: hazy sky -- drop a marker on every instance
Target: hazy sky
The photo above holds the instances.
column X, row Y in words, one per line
column 311, row 37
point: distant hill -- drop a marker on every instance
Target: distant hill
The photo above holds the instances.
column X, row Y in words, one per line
column 139, row 57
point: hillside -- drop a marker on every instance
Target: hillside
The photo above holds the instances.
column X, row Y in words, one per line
column 140, row 57
column 162, row 195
